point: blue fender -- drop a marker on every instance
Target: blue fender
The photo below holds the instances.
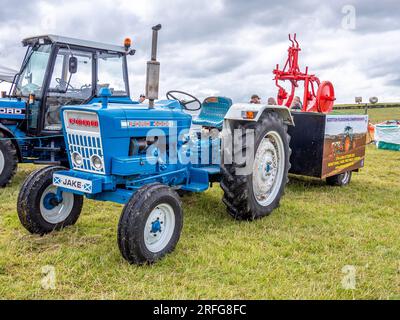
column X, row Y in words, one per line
column 9, row 134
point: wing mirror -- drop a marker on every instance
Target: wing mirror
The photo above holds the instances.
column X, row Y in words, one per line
column 73, row 65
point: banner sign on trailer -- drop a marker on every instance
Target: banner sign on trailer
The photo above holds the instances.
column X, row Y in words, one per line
column 344, row 143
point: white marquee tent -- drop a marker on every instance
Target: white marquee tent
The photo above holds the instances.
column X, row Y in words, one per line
column 7, row 74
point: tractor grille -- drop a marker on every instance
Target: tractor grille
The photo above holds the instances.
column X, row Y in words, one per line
column 84, row 140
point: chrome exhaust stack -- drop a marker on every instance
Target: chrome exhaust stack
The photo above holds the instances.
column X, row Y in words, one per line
column 153, row 70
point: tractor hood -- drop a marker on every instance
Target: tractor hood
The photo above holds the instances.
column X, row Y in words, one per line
column 116, row 125
column 11, row 108
column 134, row 120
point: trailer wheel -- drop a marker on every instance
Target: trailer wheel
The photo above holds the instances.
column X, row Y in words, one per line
column 8, row 161
column 340, row 180
column 150, row 224
column 38, row 208
column 253, row 196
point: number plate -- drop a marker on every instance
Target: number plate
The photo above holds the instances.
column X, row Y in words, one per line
column 72, row 183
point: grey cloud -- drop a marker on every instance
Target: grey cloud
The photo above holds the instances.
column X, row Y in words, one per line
column 203, row 46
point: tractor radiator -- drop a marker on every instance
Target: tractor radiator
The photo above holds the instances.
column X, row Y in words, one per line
column 83, row 137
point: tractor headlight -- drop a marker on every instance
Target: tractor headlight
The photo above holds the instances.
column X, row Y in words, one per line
column 77, row 159
column 97, row 163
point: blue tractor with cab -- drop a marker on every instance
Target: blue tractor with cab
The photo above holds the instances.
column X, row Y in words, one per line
column 56, row 71
column 143, row 155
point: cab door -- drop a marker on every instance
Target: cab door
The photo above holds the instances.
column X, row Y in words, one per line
column 66, row 86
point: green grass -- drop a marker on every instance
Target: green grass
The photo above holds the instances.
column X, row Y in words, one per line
column 356, row 105
column 297, row 252
column 375, row 115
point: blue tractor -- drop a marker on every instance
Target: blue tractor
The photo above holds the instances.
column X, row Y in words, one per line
column 143, row 155
column 56, row 71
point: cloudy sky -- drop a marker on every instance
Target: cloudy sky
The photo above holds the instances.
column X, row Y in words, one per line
column 228, row 47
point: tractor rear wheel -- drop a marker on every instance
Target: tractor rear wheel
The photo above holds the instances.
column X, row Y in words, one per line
column 258, row 193
column 150, row 225
column 339, row 180
column 39, row 210
column 8, row 161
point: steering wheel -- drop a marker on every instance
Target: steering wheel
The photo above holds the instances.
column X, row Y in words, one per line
column 62, row 82
column 86, row 86
column 171, row 95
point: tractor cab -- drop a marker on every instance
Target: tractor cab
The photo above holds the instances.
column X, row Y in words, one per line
column 59, row 71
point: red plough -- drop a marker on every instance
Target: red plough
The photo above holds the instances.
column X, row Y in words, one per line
column 318, row 96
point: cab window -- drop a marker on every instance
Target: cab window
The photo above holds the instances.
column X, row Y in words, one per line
column 31, row 78
column 68, row 88
column 111, row 73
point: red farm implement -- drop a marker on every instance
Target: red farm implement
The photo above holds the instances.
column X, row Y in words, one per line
column 318, row 96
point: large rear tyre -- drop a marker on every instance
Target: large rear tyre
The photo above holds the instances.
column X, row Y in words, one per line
column 8, row 161
column 39, row 210
column 257, row 194
column 340, row 180
column 150, row 225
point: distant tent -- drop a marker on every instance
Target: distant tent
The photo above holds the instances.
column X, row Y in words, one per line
column 387, row 135
column 7, row 74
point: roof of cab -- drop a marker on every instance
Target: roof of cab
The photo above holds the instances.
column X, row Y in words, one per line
column 75, row 42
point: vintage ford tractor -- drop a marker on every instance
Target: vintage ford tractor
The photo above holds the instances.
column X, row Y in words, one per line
column 56, row 71
column 143, row 155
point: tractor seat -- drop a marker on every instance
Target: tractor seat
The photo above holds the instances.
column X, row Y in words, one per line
column 213, row 112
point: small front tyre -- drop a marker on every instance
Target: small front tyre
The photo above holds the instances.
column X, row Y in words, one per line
column 150, row 224
column 39, row 209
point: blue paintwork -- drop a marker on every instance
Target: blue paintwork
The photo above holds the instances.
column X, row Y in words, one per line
column 155, row 226
column 120, row 100
column 122, row 124
column 25, row 144
column 213, row 112
column 12, row 109
column 47, row 201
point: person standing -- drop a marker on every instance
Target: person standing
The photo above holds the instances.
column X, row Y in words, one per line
column 255, row 99
column 142, row 98
column 296, row 104
column 272, row 101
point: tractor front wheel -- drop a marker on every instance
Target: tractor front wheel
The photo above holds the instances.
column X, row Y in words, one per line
column 8, row 161
column 150, row 225
column 39, row 208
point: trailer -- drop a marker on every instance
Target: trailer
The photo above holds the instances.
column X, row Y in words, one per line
column 327, row 146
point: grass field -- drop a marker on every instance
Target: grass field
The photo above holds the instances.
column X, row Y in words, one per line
column 376, row 115
column 300, row 251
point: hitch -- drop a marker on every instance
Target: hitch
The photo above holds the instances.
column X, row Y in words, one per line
column 153, row 70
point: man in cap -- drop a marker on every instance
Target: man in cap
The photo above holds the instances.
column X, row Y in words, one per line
column 255, row 99
column 142, row 98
